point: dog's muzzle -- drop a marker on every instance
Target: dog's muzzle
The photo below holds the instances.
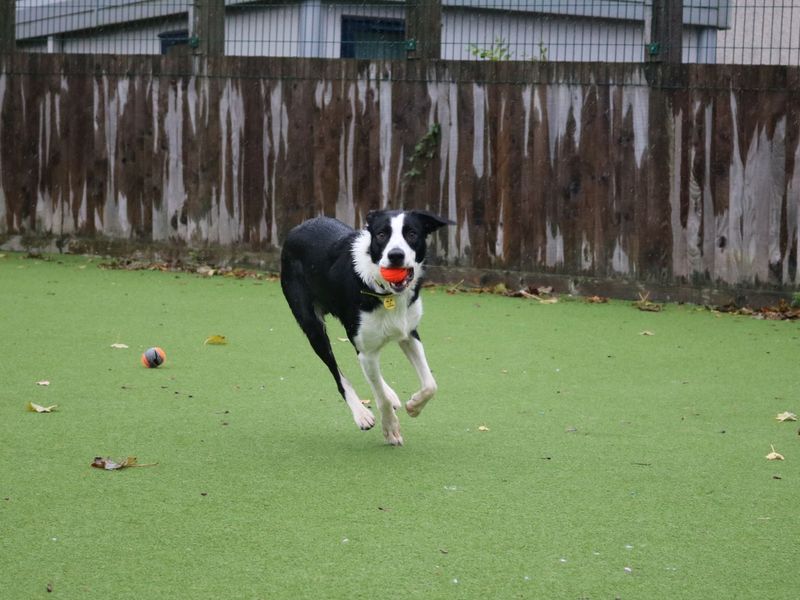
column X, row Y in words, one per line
column 398, row 279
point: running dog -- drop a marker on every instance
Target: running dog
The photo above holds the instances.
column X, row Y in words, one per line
column 370, row 280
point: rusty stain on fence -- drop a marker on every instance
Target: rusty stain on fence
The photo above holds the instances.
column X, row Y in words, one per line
column 587, row 171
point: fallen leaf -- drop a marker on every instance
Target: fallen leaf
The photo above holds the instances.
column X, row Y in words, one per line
column 774, row 455
column 216, row 340
column 597, row 300
column 110, row 465
column 33, row 407
column 119, row 346
column 500, row 289
column 643, row 303
column 541, row 295
column 787, row 416
column 483, row 428
column 44, row 383
column 454, row 289
column 646, row 332
column 366, row 402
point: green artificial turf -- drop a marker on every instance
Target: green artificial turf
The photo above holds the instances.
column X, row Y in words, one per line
column 615, row 465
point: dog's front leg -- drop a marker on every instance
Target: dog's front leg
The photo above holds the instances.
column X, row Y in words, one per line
column 415, row 353
column 385, row 397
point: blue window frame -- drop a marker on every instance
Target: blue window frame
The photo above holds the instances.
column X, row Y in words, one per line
column 170, row 39
column 373, row 38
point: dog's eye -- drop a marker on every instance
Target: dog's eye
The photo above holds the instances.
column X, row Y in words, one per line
column 411, row 235
column 381, row 236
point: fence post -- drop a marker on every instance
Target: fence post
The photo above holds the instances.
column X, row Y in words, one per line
column 424, row 28
column 666, row 32
column 8, row 35
column 207, row 27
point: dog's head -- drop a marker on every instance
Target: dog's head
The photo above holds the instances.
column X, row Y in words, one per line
column 394, row 240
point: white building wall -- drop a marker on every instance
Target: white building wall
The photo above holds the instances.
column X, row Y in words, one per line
column 281, row 30
column 139, row 40
column 761, row 33
column 539, row 37
column 263, row 32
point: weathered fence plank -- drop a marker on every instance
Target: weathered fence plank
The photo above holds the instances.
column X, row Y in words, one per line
column 572, row 169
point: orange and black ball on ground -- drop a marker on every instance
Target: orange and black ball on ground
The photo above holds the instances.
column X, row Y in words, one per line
column 153, row 357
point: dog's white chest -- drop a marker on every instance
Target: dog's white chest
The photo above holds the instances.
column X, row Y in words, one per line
column 383, row 325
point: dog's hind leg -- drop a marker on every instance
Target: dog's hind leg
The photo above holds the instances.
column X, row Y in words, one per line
column 313, row 326
column 414, row 351
column 385, row 397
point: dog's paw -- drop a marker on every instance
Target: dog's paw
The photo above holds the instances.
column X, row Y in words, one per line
column 413, row 409
column 392, row 435
column 364, row 418
column 394, row 440
column 419, row 400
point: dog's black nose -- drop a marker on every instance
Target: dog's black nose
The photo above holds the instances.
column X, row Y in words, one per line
column 396, row 256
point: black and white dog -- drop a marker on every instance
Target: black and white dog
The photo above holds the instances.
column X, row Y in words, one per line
column 329, row 268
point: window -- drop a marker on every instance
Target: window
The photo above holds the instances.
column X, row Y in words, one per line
column 174, row 41
column 373, row 38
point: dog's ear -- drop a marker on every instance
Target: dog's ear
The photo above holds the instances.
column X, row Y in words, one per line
column 370, row 218
column 430, row 222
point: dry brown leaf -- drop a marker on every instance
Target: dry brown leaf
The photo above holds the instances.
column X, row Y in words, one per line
column 109, row 465
column 216, row 340
column 119, row 346
column 455, row 288
column 774, row 455
column 483, row 428
column 43, row 383
column 541, row 295
column 643, row 303
column 786, row 416
column 38, row 408
column 597, row 300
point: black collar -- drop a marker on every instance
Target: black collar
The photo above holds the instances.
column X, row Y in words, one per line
column 377, row 295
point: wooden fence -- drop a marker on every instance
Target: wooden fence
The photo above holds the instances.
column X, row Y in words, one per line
column 672, row 176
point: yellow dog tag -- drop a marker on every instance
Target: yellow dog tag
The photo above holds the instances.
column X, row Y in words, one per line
column 389, row 303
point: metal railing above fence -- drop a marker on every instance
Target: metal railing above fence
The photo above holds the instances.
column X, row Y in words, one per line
column 709, row 31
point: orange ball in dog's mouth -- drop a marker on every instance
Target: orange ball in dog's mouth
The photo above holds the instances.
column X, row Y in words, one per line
column 396, row 275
